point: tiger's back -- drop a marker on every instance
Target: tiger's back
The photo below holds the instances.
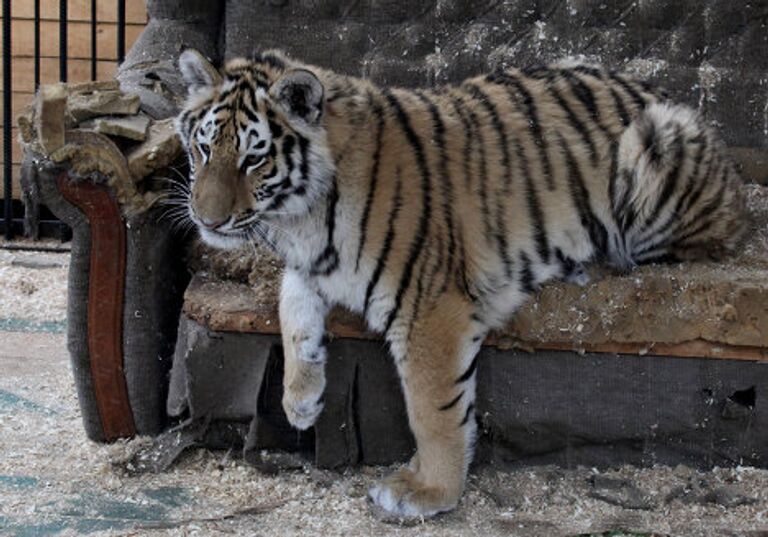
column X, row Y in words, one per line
column 507, row 180
column 435, row 213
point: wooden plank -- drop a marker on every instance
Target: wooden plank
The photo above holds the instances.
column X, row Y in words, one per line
column 78, row 71
column 238, row 309
column 80, row 10
column 78, row 38
column 687, row 349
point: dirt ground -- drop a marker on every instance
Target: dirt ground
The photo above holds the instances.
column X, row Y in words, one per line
column 53, row 481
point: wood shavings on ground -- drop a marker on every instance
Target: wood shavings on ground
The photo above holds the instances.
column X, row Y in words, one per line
column 54, row 481
column 33, row 290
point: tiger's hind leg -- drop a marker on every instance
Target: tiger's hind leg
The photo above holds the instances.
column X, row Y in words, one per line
column 437, row 367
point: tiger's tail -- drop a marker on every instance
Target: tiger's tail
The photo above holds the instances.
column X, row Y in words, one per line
column 675, row 195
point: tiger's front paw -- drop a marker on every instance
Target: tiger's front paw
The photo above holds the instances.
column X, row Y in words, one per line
column 303, row 393
column 403, row 494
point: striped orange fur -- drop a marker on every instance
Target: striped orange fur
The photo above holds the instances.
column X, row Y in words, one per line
column 436, row 212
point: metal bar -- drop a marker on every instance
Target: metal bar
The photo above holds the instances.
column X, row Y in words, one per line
column 37, row 44
column 93, row 39
column 63, row 40
column 7, row 150
column 120, row 31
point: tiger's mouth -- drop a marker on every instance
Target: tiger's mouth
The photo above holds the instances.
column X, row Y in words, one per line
column 224, row 240
column 222, row 235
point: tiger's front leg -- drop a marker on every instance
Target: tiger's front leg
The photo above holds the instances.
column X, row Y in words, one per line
column 302, row 323
column 437, row 367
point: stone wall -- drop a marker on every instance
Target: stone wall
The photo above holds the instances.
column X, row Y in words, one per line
column 712, row 54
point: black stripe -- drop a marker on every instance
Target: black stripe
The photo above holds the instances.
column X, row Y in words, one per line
column 689, row 198
column 276, row 202
column 673, row 217
column 469, row 137
column 621, row 110
column 665, row 257
column 419, row 289
column 386, row 247
column 426, row 212
column 626, row 86
column 714, row 163
column 184, row 121
column 701, row 222
column 437, row 266
column 288, row 143
column 567, row 264
column 328, row 261
column 483, row 175
column 379, row 113
column 708, row 209
column 275, row 129
column 624, row 213
column 222, row 106
column 452, row 403
column 574, row 120
column 498, row 126
column 304, row 151
column 445, row 179
column 540, row 72
column 532, row 199
column 594, row 72
column 586, row 96
column 526, row 274
column 469, row 372
column 583, row 93
column 250, row 114
column 470, row 408
column 612, row 178
column 462, row 280
column 270, row 59
column 534, row 125
column 670, row 181
column 595, row 228
column 500, row 233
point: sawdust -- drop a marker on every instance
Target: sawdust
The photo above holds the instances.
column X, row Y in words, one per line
column 721, row 301
column 34, row 286
column 60, row 479
column 51, row 476
column 253, row 264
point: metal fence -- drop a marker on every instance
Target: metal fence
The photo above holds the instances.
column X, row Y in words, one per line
column 11, row 219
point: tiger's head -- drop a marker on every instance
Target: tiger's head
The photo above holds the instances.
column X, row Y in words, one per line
column 257, row 148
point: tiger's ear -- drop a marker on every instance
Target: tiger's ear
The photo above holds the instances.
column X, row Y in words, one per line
column 197, row 71
column 300, row 94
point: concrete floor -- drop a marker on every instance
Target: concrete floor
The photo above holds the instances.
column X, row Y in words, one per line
column 53, row 481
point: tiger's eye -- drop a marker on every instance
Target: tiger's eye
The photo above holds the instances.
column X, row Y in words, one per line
column 205, row 150
column 252, row 162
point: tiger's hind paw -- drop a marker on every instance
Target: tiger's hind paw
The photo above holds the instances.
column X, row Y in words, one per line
column 402, row 494
column 302, row 414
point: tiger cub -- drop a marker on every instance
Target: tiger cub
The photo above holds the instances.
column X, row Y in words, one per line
column 434, row 213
